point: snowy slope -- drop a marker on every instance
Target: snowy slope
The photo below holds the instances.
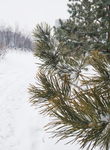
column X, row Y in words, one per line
column 21, row 126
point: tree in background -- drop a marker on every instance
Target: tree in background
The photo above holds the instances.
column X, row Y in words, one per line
column 88, row 27
column 77, row 104
column 15, row 39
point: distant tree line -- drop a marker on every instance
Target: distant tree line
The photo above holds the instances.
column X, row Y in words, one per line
column 15, row 38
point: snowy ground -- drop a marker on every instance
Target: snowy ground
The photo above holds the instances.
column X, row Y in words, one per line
column 21, row 126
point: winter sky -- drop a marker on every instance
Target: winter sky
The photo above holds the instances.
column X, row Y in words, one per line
column 28, row 13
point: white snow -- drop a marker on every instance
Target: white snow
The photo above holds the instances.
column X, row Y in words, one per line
column 21, row 126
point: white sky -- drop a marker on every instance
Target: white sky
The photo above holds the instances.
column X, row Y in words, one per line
column 27, row 13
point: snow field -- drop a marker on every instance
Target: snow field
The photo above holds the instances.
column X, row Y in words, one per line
column 21, row 126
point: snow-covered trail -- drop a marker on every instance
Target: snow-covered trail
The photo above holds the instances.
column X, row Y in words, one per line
column 17, row 70
column 21, row 126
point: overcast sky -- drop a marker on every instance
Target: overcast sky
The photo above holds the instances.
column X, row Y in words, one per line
column 30, row 12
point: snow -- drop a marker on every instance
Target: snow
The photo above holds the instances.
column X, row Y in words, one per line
column 21, row 126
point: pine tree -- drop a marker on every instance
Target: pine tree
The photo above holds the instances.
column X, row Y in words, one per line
column 77, row 104
column 88, row 27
